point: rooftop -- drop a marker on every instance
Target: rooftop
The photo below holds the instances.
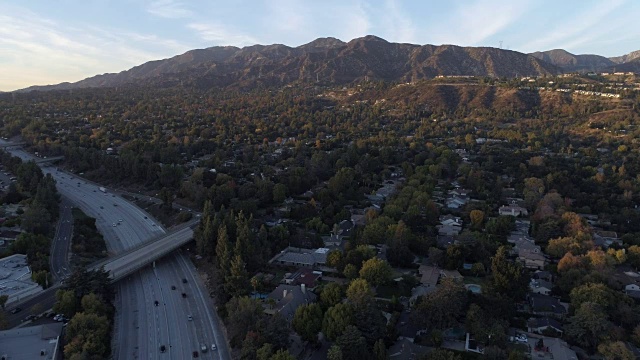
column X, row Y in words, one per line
column 15, row 277
column 30, row 342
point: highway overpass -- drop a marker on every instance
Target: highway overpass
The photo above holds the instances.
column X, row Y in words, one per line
column 134, row 259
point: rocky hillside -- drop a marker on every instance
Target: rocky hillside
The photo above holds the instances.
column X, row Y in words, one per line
column 326, row 60
column 570, row 62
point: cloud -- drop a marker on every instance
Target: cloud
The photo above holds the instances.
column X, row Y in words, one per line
column 473, row 23
column 38, row 50
column 398, row 25
column 169, row 9
column 218, row 34
column 581, row 28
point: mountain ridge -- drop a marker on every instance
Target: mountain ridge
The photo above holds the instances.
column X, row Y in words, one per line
column 328, row 60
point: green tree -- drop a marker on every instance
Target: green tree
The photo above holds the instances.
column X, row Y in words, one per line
column 307, row 321
column 334, row 353
column 3, row 301
column 376, row 271
column 237, row 282
column 507, row 277
column 336, row 319
column 589, row 326
column 36, row 219
column 279, row 193
column 359, row 293
column 331, row 295
column 244, row 314
column 615, row 350
column 350, row 271
column 597, row 293
column 66, row 303
column 264, row 352
column 352, row 344
column 223, row 250
column 442, row 308
column 441, row 354
column 87, row 334
column 282, row 354
column 92, row 304
column 380, row 350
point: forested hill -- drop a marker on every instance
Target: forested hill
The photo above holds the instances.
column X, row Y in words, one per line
column 324, row 60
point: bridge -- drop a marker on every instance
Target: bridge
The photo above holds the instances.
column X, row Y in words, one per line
column 49, row 159
column 136, row 258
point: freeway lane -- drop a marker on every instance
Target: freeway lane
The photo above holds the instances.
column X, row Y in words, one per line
column 61, row 243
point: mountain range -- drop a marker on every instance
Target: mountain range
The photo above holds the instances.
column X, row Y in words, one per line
column 332, row 61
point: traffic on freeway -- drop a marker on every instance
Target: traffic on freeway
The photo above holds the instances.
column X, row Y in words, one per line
column 178, row 326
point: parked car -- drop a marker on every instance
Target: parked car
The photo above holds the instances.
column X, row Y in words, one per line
column 16, row 310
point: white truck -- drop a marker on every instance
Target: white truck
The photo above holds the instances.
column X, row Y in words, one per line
column 103, row 189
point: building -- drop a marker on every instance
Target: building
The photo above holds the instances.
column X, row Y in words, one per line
column 633, row 291
column 303, row 276
column 544, row 305
column 33, row 342
column 299, row 257
column 513, row 210
column 448, row 230
column 429, row 275
column 539, row 325
column 285, row 299
column 540, row 287
column 604, row 239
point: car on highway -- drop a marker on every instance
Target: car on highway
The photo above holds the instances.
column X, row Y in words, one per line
column 114, row 224
column 195, row 354
column 156, row 303
column 119, row 220
column 16, row 310
column 163, row 348
column 173, row 287
column 203, row 348
column 184, row 295
column 214, row 347
column 189, row 317
column 101, row 207
column 184, row 281
column 30, row 317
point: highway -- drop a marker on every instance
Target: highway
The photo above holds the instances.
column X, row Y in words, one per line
column 61, row 243
column 140, row 327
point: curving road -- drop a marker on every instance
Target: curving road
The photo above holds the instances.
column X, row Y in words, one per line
column 140, row 327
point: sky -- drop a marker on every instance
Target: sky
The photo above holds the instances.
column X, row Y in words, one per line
column 48, row 42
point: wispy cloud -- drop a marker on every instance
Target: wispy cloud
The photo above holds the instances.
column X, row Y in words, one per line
column 398, row 25
column 477, row 21
column 219, row 34
column 581, row 28
column 170, row 9
column 38, row 50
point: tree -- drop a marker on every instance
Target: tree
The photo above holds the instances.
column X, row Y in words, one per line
column 477, row 218
column 441, row 354
column 442, row 308
column 36, row 220
column 589, row 326
column 334, row 259
column 359, row 292
column 597, row 293
column 246, row 314
column 350, row 271
column 615, row 350
column 279, row 193
column 307, row 321
column 380, row 350
column 92, row 304
column 331, row 295
column 66, row 303
column 334, row 353
column 336, row 319
column 237, row 282
column 275, row 330
column 3, row 301
column 282, row 354
column 507, row 277
column 376, row 271
column 87, row 334
column 223, row 250
column 264, row 352
column 352, row 344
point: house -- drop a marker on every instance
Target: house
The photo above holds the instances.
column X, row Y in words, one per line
column 300, row 257
column 7, row 237
column 539, row 325
column 285, row 299
column 450, row 220
column 540, row 287
column 451, row 274
column 633, row 291
column 513, row 210
column 448, row 230
column 304, row 276
column 333, row 241
column 559, row 349
column 543, row 275
column 444, row 241
column 544, row 305
column 604, row 239
column 429, row 275
column 532, row 258
column 345, row 227
column 455, row 202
